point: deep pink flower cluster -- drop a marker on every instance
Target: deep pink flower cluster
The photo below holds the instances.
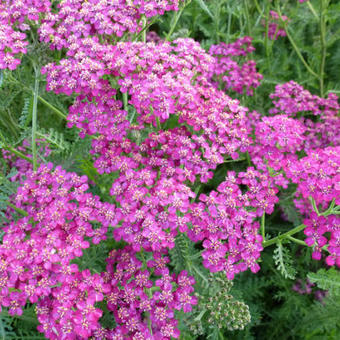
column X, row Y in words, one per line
column 78, row 19
column 317, row 229
column 317, row 177
column 129, row 95
column 161, row 81
column 37, row 250
column 14, row 18
column 67, row 310
column 229, row 73
column 135, row 299
column 82, row 72
column 292, row 99
column 226, row 225
column 275, row 28
column 150, row 208
column 277, row 139
column 151, row 189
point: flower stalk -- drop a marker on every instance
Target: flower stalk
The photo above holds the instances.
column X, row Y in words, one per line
column 34, row 119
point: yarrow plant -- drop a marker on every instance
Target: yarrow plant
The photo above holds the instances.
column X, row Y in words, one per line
column 174, row 186
column 227, row 71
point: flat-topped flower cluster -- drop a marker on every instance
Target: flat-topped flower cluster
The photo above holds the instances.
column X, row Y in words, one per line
column 160, row 125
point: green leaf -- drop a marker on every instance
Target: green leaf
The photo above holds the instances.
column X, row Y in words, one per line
column 284, row 262
column 1, row 77
column 55, row 139
column 326, row 279
column 26, row 113
column 205, row 8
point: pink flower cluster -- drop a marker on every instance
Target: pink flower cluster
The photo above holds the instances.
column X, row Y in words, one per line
column 225, row 223
column 77, row 19
column 135, row 299
column 227, row 71
column 277, row 139
column 14, row 18
column 37, row 250
column 129, row 97
column 36, row 260
column 152, row 188
column 317, row 229
column 73, row 21
column 161, row 81
column 275, row 28
column 292, row 99
column 317, row 177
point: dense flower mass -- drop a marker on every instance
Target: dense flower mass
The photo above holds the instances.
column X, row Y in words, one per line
column 278, row 139
column 163, row 134
column 37, row 250
column 15, row 17
column 292, row 99
column 135, row 299
column 78, row 19
column 317, row 177
column 226, row 225
column 226, row 70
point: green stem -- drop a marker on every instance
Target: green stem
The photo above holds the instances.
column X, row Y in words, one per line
column 310, row 6
column 248, row 158
column 234, row 160
column 159, row 127
column 53, row 108
column 247, row 16
column 258, row 7
column 329, row 211
column 144, row 29
column 303, row 243
column 20, row 211
column 295, row 47
column 173, row 26
column 323, row 46
column 197, row 190
column 295, row 240
column 266, row 45
column 309, row 69
column 136, row 38
column 263, row 219
column 315, row 208
column 283, row 236
column 14, row 151
column 34, row 119
column 125, row 101
column 18, row 153
column 41, row 99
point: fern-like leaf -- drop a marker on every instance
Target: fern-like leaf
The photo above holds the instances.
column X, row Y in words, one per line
column 322, row 319
column 326, row 279
column 205, row 8
column 26, row 113
column 55, row 139
column 284, row 262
